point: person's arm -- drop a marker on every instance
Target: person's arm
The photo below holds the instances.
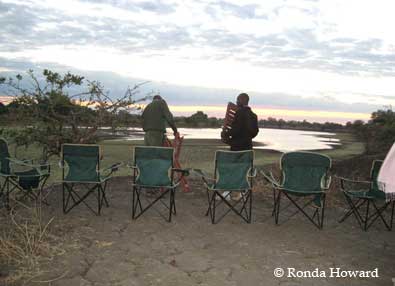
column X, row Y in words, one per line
column 168, row 116
column 237, row 125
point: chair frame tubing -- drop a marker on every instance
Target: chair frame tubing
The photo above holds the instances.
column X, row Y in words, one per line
column 319, row 212
column 246, row 199
column 365, row 222
column 68, row 191
column 10, row 185
column 136, row 202
column 164, row 190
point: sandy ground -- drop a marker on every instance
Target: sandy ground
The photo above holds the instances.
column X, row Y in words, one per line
column 112, row 249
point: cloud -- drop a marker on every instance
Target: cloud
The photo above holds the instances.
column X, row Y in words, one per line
column 116, row 85
column 248, row 11
column 274, row 35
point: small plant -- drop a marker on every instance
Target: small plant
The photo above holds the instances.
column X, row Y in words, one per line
column 24, row 243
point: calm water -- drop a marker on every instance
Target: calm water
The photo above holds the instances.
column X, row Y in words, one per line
column 274, row 139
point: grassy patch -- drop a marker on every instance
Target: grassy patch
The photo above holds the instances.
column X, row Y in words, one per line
column 350, row 147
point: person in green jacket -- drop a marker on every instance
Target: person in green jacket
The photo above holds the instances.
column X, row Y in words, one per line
column 155, row 116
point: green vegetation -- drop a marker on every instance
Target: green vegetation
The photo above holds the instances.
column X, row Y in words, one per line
column 350, row 147
column 301, row 125
column 379, row 133
column 61, row 109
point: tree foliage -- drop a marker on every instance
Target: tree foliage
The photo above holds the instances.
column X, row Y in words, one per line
column 378, row 133
column 64, row 108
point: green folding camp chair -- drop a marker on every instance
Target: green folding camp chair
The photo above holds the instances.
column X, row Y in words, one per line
column 153, row 170
column 360, row 193
column 81, row 167
column 20, row 175
column 305, row 176
column 233, row 174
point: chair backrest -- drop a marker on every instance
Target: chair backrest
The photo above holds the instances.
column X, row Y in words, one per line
column 83, row 162
column 4, row 154
column 304, row 171
column 374, row 173
column 232, row 169
column 154, row 166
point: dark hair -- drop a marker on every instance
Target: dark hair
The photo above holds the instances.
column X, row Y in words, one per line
column 157, row 97
column 244, row 96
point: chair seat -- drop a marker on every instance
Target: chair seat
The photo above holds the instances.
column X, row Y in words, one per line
column 212, row 188
column 156, row 187
column 365, row 195
column 302, row 192
column 29, row 179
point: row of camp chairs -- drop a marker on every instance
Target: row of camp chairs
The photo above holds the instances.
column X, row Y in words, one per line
column 83, row 177
column 305, row 181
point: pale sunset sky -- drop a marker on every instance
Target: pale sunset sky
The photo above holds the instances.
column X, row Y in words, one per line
column 319, row 60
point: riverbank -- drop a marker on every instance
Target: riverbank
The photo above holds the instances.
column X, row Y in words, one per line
column 196, row 153
column 199, row 153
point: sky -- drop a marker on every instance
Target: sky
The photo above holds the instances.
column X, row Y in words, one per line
column 298, row 59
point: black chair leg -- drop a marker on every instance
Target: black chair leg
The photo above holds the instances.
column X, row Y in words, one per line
column 7, row 197
column 277, row 207
column 392, row 215
column 99, row 200
column 274, row 202
column 174, row 202
column 365, row 228
column 250, row 210
column 214, row 205
column 63, row 198
column 171, row 204
column 323, row 211
column 133, row 201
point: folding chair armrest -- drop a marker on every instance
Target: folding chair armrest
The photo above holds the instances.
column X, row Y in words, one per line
column 113, row 168
column 252, row 173
column 327, row 183
column 130, row 165
column 20, row 162
column 346, row 181
column 184, row 172
column 42, row 169
column 270, row 178
column 204, row 176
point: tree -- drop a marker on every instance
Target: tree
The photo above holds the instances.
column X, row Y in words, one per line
column 379, row 133
column 198, row 119
column 58, row 114
column 3, row 109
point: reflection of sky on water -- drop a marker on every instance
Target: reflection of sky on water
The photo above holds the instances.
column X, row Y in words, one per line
column 274, row 139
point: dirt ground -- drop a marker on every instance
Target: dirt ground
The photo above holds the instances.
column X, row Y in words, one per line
column 112, row 249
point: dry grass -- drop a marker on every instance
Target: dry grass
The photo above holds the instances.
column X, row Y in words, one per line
column 25, row 243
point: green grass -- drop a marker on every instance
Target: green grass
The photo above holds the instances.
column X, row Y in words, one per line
column 350, row 147
column 197, row 154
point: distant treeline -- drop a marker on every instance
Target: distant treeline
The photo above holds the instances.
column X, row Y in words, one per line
column 378, row 133
column 200, row 119
column 196, row 120
column 301, row 125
